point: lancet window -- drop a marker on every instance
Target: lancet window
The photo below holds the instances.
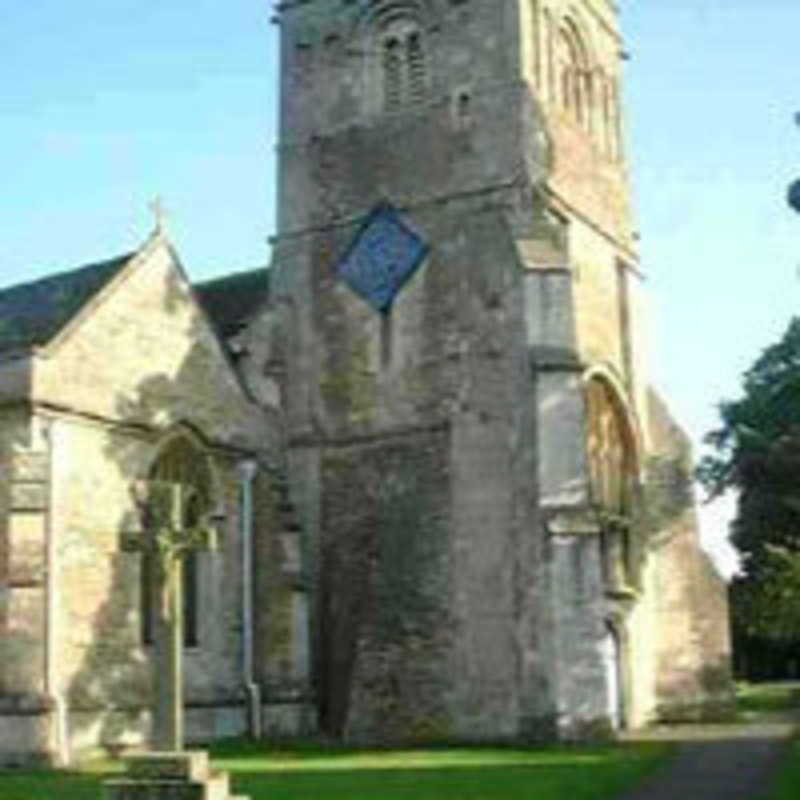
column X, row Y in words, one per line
column 403, row 63
column 572, row 74
column 182, row 462
column 612, row 472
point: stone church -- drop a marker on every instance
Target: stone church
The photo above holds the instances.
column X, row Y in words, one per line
column 449, row 503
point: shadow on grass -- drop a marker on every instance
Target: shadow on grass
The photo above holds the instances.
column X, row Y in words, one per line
column 597, row 779
column 779, row 696
column 463, row 773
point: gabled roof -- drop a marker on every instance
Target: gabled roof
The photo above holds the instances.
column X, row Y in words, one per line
column 232, row 300
column 33, row 313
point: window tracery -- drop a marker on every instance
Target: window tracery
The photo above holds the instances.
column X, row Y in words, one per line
column 572, row 73
column 612, row 473
column 182, row 462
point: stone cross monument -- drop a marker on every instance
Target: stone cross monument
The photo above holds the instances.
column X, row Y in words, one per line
column 168, row 536
column 169, row 773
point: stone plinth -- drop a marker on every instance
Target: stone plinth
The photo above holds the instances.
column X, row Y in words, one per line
column 170, row 776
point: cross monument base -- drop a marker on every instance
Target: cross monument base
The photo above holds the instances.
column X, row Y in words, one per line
column 184, row 775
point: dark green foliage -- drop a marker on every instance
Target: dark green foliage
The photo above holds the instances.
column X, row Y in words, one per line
column 757, row 454
column 777, row 696
column 758, row 450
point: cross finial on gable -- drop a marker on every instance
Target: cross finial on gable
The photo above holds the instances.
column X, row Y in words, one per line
column 159, row 214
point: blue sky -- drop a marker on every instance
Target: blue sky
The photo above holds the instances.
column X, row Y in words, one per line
column 107, row 104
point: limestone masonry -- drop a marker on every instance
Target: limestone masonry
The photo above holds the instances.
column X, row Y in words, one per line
column 451, row 504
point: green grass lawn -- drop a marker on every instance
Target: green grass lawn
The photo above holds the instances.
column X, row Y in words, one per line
column 468, row 773
column 786, row 783
column 754, row 698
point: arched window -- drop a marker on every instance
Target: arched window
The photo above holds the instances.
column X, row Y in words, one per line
column 612, row 473
column 610, row 447
column 572, row 74
column 392, row 74
column 415, row 60
column 179, row 462
column 403, row 62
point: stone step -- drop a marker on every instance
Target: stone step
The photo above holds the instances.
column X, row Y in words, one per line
column 187, row 765
column 170, row 776
column 154, row 789
column 217, row 787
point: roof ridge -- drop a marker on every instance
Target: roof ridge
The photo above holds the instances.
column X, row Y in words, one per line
column 243, row 273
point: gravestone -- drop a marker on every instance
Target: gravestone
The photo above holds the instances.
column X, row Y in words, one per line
column 169, row 772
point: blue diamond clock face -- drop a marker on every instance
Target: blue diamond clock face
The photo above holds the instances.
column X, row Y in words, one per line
column 381, row 258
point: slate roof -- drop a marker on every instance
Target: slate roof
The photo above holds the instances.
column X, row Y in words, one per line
column 232, row 300
column 33, row 313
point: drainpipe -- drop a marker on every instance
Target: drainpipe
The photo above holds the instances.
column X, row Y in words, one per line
column 51, row 688
column 247, row 471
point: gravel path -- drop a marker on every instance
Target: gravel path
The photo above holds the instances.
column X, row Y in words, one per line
column 714, row 762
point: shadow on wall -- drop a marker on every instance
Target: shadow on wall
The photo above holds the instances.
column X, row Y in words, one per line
column 110, row 690
column 704, row 696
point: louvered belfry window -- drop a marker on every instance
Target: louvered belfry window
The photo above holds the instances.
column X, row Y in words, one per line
column 392, row 74
column 405, row 76
column 415, row 60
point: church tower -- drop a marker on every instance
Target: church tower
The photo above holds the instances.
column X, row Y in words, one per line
column 465, row 399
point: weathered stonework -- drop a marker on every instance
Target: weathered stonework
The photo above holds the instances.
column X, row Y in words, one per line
column 501, row 157
column 131, row 370
column 462, row 516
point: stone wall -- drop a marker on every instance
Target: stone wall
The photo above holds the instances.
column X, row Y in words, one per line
column 143, row 353
column 589, row 175
column 104, row 671
column 693, row 646
column 531, row 286
column 139, row 363
column 26, row 719
column 453, row 354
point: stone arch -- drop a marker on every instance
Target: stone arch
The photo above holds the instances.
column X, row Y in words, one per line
column 376, row 14
column 614, row 468
column 181, row 455
column 612, row 441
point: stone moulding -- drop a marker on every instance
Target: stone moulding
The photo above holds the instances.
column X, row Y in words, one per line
column 574, row 522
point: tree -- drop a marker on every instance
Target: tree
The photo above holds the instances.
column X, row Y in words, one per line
column 758, row 451
column 757, row 454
